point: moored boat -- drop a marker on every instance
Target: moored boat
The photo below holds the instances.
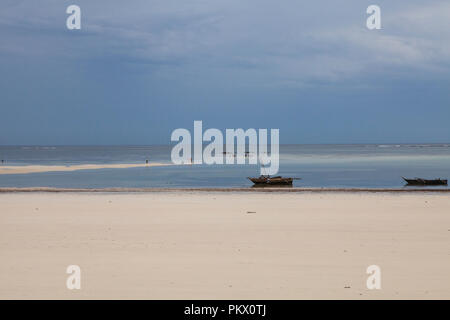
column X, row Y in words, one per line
column 426, row 182
column 267, row 180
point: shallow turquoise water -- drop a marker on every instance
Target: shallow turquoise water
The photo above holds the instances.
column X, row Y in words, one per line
column 371, row 166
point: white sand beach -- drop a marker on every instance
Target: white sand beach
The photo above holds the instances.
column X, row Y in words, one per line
column 50, row 168
column 211, row 245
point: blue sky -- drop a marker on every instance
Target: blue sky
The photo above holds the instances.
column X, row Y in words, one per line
column 138, row 70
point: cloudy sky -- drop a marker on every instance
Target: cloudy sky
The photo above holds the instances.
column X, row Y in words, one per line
column 139, row 69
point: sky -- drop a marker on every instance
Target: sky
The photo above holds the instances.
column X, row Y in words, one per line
column 137, row 70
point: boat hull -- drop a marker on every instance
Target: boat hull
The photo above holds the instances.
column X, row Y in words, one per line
column 274, row 181
column 426, row 182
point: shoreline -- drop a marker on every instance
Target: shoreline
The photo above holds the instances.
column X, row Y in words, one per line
column 219, row 190
column 67, row 168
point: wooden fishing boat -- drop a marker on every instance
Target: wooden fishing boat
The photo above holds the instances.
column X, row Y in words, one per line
column 267, row 180
column 425, row 182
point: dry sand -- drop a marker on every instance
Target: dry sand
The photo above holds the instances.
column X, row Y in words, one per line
column 224, row 245
column 42, row 168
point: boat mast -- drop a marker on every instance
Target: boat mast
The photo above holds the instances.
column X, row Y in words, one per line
column 263, row 168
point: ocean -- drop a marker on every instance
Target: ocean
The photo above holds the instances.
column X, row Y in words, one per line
column 328, row 166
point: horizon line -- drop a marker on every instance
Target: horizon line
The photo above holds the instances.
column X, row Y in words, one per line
column 173, row 143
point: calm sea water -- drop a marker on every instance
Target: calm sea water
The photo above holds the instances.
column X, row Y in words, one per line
column 372, row 166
